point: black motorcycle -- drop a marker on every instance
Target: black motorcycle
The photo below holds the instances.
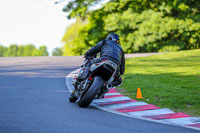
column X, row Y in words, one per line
column 93, row 81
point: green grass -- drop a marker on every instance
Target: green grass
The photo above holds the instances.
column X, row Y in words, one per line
column 169, row 80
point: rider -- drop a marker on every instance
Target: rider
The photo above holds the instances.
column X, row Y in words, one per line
column 110, row 50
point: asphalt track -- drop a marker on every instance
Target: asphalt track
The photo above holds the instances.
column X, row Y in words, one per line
column 34, row 99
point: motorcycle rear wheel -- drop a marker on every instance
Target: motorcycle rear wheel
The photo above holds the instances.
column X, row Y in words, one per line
column 92, row 91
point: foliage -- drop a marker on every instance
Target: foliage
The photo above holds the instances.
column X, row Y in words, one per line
column 42, row 51
column 22, row 50
column 167, row 80
column 79, row 7
column 74, row 40
column 169, row 49
column 144, row 26
column 57, row 52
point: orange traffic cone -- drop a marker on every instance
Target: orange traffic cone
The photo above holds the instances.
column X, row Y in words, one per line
column 139, row 94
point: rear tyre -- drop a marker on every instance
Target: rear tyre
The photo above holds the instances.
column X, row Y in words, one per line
column 93, row 90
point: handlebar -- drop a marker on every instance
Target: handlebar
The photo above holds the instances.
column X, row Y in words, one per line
column 89, row 58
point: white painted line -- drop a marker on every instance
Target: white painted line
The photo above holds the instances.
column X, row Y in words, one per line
column 111, row 94
column 124, row 105
column 69, row 80
column 68, row 83
column 151, row 112
column 75, row 72
column 183, row 121
column 110, row 99
column 72, row 75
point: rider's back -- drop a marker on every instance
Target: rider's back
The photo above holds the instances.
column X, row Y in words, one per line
column 111, row 50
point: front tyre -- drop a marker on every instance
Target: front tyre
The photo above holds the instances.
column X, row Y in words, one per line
column 92, row 91
column 72, row 98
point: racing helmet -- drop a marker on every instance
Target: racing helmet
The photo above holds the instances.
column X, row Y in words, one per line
column 113, row 36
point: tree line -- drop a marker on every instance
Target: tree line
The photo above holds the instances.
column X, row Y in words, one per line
column 23, row 50
column 143, row 25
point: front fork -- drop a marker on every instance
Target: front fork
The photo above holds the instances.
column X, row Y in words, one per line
column 80, row 87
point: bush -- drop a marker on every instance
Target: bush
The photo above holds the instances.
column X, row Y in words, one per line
column 169, row 49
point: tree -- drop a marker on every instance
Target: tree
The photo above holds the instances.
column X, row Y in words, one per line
column 23, row 50
column 43, row 51
column 74, row 45
column 144, row 26
column 28, row 49
column 12, row 50
column 20, row 51
column 57, row 52
column 1, row 51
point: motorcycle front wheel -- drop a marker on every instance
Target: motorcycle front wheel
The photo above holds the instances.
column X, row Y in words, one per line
column 92, row 91
column 72, row 98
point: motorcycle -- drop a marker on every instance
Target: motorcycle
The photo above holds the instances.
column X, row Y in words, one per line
column 93, row 81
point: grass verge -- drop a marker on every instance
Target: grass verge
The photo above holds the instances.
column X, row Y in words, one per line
column 169, row 80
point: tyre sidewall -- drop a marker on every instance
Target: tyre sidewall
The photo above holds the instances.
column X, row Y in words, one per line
column 92, row 91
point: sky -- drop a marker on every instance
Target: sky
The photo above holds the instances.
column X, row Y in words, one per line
column 38, row 22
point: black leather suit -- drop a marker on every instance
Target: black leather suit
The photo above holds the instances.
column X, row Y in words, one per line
column 110, row 50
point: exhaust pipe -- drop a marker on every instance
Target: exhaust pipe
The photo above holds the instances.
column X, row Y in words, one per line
column 109, row 86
